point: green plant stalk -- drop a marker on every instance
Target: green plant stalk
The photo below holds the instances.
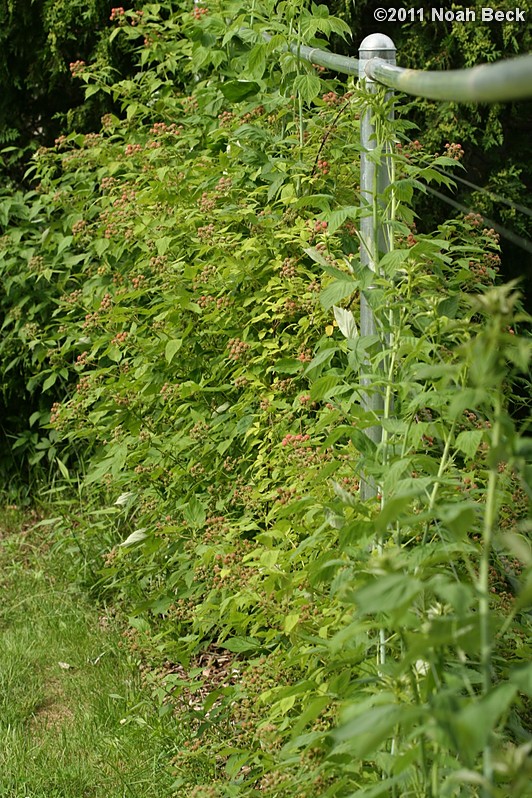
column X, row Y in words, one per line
column 490, row 520
column 443, row 465
column 422, row 743
column 299, row 110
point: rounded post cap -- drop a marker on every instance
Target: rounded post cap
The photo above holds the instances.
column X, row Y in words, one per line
column 376, row 42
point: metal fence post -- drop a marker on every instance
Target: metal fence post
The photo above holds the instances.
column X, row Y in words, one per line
column 374, row 177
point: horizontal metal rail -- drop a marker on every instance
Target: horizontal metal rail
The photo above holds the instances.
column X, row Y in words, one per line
column 504, row 81
column 341, row 63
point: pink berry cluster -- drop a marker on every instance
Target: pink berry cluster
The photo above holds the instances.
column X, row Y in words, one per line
column 294, row 440
column 125, row 198
column 106, row 303
column 253, row 114
column 305, row 356
column 107, row 183
column 190, row 104
column 199, row 430
column 76, row 67
column 237, row 348
column 206, row 233
column 117, row 13
column 158, row 263
column 91, row 321
column 120, row 338
column 73, row 297
column 288, row 268
column 484, row 272
column 350, row 227
column 107, row 121
column 331, row 98
column 161, row 128
column 492, row 234
column 208, row 271
column 324, row 166
column 137, row 17
column 225, row 118
column 91, row 139
column 474, row 219
column 132, row 149
column 169, row 390
column 199, row 11
column 207, row 203
column 454, row 151
column 350, row 483
column 318, row 226
column 413, row 146
column 207, row 299
column 223, row 185
column 319, row 68
column 291, row 306
column 84, row 384
column 36, row 264
column 79, row 227
column 284, row 386
column 467, row 485
column 285, row 495
column 55, row 414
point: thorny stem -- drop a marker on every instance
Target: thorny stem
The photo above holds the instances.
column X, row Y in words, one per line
column 490, row 519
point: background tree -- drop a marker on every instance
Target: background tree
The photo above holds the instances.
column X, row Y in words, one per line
column 39, row 100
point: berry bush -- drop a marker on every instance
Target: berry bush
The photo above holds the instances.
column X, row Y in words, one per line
column 180, row 326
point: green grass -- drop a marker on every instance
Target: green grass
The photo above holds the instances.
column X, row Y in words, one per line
column 83, row 731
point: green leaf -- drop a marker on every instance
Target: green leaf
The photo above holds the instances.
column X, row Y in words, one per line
column 62, row 467
column 471, row 727
column 136, row 537
column 346, row 322
column 256, row 61
column 324, row 387
column 101, row 245
column 393, row 260
column 387, row 593
column 163, row 244
column 461, row 519
column 308, row 86
column 374, row 725
column 336, row 218
column 238, row 645
column 238, row 90
column 171, row 348
column 49, row 381
column 194, row 512
column 522, row 678
column 468, row 442
column 449, row 307
column 291, row 621
column 337, row 290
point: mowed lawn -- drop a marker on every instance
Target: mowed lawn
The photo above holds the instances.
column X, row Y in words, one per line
column 74, row 720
